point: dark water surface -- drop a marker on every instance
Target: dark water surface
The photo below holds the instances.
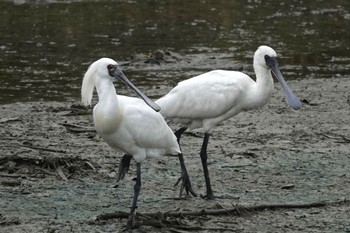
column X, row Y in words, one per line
column 46, row 46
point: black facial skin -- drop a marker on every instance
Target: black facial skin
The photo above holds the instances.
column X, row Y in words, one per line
column 115, row 72
column 270, row 61
column 111, row 70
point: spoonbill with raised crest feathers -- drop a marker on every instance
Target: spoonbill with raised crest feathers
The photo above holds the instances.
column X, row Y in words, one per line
column 127, row 123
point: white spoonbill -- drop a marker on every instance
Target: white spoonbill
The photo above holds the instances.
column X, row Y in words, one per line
column 210, row 98
column 127, row 123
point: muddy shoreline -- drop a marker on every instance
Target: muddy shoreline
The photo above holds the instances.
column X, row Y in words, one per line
column 57, row 175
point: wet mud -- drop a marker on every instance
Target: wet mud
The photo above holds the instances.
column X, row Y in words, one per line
column 57, row 175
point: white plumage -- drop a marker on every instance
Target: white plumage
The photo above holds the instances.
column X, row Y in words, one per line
column 127, row 123
column 210, row 98
column 136, row 129
column 207, row 99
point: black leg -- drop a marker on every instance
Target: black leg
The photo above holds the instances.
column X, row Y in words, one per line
column 137, row 188
column 179, row 132
column 186, row 183
column 123, row 166
column 203, row 156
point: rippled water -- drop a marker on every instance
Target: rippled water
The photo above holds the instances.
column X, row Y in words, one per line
column 46, row 46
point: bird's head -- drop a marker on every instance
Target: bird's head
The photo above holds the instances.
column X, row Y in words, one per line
column 106, row 68
column 265, row 57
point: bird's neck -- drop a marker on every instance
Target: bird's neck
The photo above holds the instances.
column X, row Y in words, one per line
column 106, row 92
column 108, row 112
column 264, row 86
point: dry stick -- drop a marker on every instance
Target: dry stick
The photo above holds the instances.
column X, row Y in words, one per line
column 61, row 174
column 47, row 172
column 231, row 211
column 44, row 149
column 37, row 148
column 236, row 210
column 5, row 120
column 12, row 175
column 70, row 125
column 107, row 216
column 337, row 137
column 77, row 128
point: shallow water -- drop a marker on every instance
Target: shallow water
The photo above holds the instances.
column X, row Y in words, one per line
column 46, row 46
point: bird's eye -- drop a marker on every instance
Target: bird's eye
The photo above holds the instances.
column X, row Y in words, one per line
column 111, row 68
column 270, row 61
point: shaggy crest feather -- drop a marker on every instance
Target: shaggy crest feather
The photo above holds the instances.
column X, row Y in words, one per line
column 88, row 85
column 129, row 124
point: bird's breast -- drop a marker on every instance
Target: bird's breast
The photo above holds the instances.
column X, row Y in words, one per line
column 107, row 122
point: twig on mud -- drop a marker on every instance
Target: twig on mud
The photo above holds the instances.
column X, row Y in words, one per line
column 164, row 220
column 5, row 120
column 337, row 137
column 107, row 216
column 236, row 210
column 61, row 174
column 47, row 172
column 91, row 166
column 77, row 113
column 71, row 125
column 38, row 148
column 12, row 175
column 77, row 128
